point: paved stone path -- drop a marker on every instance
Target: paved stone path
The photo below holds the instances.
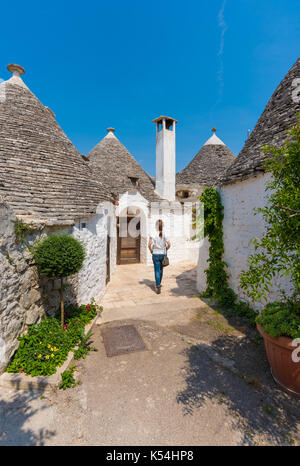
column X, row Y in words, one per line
column 203, row 379
column 131, row 294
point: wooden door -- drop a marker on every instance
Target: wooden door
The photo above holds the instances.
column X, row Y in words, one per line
column 128, row 248
column 108, row 259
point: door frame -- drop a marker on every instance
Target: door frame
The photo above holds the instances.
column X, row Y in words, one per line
column 138, row 243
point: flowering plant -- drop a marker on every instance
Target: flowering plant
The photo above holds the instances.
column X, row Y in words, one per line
column 46, row 345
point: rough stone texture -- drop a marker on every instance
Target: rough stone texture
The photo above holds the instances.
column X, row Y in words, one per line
column 116, row 168
column 42, row 176
column 207, row 165
column 279, row 115
column 24, row 296
column 20, row 293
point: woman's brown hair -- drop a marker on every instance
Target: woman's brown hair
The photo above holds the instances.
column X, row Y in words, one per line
column 160, row 227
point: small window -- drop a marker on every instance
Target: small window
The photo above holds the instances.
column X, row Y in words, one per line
column 134, row 181
column 82, row 225
column 183, row 194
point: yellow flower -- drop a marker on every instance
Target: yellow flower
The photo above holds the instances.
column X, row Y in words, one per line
column 40, row 342
column 51, row 349
column 52, row 355
column 39, row 356
column 49, row 346
column 47, row 357
column 55, row 349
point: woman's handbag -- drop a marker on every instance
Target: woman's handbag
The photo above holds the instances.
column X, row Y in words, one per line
column 165, row 261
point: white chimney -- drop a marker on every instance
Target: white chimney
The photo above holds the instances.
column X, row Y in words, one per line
column 165, row 157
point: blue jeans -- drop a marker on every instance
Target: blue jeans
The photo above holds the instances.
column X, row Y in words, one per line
column 158, row 267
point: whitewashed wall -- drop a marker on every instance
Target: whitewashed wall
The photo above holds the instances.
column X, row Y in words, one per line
column 177, row 227
column 240, row 225
column 92, row 276
column 202, row 265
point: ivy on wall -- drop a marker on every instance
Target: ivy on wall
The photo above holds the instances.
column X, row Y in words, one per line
column 216, row 275
column 21, row 231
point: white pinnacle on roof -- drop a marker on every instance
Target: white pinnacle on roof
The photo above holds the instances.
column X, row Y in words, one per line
column 16, row 71
column 110, row 133
column 214, row 140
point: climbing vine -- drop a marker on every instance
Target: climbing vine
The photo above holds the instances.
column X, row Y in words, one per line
column 216, row 275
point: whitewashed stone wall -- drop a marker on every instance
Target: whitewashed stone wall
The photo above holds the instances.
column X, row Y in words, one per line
column 202, row 265
column 92, row 276
column 240, row 225
column 25, row 298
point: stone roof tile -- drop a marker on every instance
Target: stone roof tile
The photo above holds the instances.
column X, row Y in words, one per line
column 116, row 167
column 279, row 115
column 42, row 175
column 209, row 163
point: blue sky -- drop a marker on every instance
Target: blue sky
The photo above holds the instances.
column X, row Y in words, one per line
column 204, row 62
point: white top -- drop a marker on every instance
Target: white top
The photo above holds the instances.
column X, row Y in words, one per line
column 159, row 244
column 214, row 140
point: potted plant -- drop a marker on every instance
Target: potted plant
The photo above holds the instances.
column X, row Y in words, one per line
column 277, row 253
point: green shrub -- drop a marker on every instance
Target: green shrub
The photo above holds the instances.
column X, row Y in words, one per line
column 280, row 319
column 59, row 256
column 67, row 379
column 278, row 251
column 21, row 231
column 46, row 345
column 84, row 345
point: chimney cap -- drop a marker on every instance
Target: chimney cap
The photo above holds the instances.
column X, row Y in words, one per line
column 110, row 130
column 163, row 117
column 17, row 69
column 214, row 129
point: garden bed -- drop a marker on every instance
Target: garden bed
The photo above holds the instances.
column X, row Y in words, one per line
column 47, row 350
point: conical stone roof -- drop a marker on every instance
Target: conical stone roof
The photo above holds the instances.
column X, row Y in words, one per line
column 209, row 163
column 42, row 175
column 116, row 167
column 279, row 115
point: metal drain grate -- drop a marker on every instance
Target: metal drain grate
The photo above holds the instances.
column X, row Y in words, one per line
column 122, row 340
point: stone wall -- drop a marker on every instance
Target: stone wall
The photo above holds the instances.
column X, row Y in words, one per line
column 94, row 236
column 25, row 298
column 240, row 225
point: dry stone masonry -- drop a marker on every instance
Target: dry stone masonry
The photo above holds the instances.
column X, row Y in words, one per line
column 50, row 186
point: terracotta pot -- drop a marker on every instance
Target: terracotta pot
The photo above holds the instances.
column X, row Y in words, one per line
column 285, row 372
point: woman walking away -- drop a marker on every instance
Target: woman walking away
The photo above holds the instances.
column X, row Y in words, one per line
column 158, row 245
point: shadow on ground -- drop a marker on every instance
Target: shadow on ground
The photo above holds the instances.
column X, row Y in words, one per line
column 186, row 283
column 258, row 408
column 17, row 411
column 149, row 283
